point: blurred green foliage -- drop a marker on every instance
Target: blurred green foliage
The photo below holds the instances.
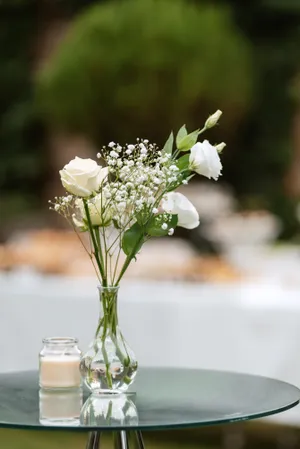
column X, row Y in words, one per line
column 23, row 168
column 264, row 147
column 19, row 131
column 128, row 99
column 142, row 67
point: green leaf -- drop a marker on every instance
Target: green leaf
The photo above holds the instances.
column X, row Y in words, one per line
column 190, row 176
column 142, row 217
column 168, row 147
column 183, row 162
column 155, row 230
column 116, row 224
column 185, row 173
column 188, row 141
column 180, row 135
column 133, row 240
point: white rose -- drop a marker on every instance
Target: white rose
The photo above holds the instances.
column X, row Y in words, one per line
column 82, row 177
column 177, row 204
column 205, row 160
column 100, row 214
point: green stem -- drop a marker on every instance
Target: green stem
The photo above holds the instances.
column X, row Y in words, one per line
column 108, row 375
column 97, row 234
column 110, row 327
column 133, row 252
column 129, row 259
column 125, row 359
column 128, row 358
column 104, row 322
column 104, row 237
column 99, row 327
column 96, row 249
column 109, row 412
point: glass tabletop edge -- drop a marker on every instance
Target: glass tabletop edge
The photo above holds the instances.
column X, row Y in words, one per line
column 149, row 428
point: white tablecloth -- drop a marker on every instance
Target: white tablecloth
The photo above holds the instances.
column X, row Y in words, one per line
column 252, row 328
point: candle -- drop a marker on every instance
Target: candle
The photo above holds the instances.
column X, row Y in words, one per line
column 59, row 372
column 59, row 363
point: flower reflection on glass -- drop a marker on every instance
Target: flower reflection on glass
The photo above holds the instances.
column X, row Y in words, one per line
column 60, row 408
column 109, row 410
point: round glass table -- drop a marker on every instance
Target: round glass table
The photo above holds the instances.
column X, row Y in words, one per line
column 163, row 398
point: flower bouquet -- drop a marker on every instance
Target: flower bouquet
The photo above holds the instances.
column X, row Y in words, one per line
column 121, row 205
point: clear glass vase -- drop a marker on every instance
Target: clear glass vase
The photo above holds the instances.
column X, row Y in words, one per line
column 109, row 365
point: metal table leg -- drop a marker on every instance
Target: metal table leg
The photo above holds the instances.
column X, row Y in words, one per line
column 120, row 439
column 140, row 440
column 93, row 440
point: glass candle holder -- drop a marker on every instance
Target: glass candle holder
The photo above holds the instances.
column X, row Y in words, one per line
column 59, row 363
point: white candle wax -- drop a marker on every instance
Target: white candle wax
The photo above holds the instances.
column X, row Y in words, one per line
column 59, row 372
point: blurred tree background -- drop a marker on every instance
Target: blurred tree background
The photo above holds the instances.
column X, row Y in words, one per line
column 132, row 68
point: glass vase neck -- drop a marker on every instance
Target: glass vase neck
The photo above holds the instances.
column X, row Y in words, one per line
column 108, row 289
column 108, row 294
column 108, row 319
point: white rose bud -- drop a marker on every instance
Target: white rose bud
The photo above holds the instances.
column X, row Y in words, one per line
column 205, row 160
column 220, row 147
column 213, row 119
column 100, row 216
column 177, row 204
column 82, row 177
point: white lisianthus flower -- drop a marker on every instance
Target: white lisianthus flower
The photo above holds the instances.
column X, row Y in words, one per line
column 100, row 214
column 205, row 160
column 213, row 119
column 82, row 177
column 177, row 204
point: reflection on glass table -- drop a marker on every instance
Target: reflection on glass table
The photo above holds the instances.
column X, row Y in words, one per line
column 60, row 407
column 164, row 398
column 109, row 410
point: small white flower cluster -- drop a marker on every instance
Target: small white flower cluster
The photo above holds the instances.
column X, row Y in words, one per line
column 141, row 174
column 62, row 204
column 163, row 221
